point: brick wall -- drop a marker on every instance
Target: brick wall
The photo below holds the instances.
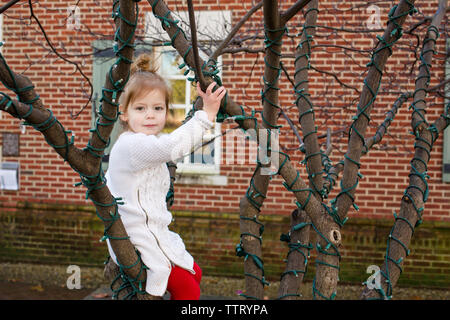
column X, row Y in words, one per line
column 47, row 180
column 65, row 235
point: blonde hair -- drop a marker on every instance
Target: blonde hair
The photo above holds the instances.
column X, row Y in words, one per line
column 143, row 78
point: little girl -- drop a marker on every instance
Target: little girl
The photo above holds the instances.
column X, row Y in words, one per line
column 138, row 173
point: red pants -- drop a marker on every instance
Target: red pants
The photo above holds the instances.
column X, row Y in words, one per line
column 184, row 285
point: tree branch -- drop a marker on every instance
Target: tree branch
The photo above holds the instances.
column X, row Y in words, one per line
column 416, row 194
column 114, row 83
column 233, row 31
column 314, row 209
column 297, row 257
column 304, row 104
column 333, row 173
column 8, row 5
column 419, row 122
column 250, row 205
column 326, row 277
column 86, row 162
column 292, row 11
column 197, row 63
column 382, row 129
column 77, row 67
column 345, row 198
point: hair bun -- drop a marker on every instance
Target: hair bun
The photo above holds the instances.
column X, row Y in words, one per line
column 143, row 62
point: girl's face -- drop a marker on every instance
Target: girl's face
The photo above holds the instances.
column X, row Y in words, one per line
column 147, row 114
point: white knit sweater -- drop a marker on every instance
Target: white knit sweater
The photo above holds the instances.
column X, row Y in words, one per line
column 138, row 174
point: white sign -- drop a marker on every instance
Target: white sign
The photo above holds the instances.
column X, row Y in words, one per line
column 8, row 179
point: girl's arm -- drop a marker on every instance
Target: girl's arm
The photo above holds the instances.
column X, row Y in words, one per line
column 149, row 150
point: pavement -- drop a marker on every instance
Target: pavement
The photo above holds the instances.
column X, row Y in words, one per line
column 105, row 293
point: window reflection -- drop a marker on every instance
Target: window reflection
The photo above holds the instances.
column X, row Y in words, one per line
column 170, row 62
column 204, row 155
column 174, row 119
column 178, row 91
column 181, row 103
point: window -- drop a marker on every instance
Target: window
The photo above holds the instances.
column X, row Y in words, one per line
column 103, row 59
column 205, row 159
column 212, row 26
column 203, row 165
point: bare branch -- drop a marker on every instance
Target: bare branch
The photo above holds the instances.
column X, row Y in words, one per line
column 419, row 122
column 63, row 58
column 330, row 179
column 303, row 102
column 337, row 79
column 197, row 63
column 372, row 82
column 8, row 5
column 294, row 129
column 292, row 11
column 233, row 32
column 438, row 86
column 329, row 145
column 382, row 129
column 416, row 194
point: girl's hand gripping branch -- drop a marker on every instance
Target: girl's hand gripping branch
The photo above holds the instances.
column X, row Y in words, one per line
column 211, row 100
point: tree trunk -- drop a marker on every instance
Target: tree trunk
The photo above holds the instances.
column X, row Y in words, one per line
column 416, row 193
column 297, row 257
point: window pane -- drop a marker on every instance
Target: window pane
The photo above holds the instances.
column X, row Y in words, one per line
column 174, row 119
column 193, row 92
column 178, row 91
column 203, row 155
column 170, row 71
column 170, row 62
